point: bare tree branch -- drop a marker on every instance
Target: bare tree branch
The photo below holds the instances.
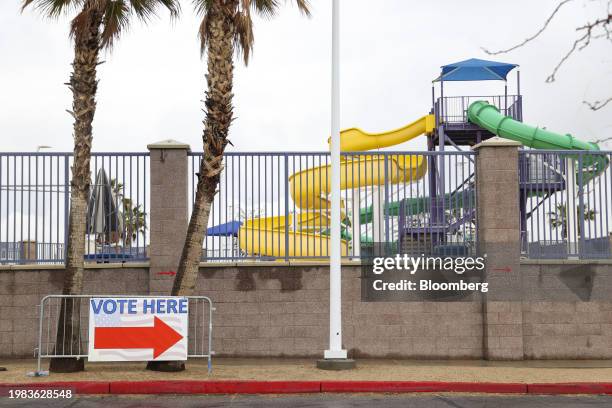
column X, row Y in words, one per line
column 589, row 32
column 576, row 46
column 606, row 139
column 597, row 105
column 534, row 36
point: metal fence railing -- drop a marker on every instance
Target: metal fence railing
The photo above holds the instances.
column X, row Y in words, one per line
column 52, row 332
column 566, row 204
column 34, row 206
column 276, row 205
column 453, row 109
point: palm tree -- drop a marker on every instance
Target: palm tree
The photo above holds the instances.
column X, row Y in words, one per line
column 133, row 217
column 226, row 27
column 135, row 221
column 558, row 218
column 95, row 27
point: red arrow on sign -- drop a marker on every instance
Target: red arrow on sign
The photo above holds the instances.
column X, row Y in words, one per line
column 160, row 337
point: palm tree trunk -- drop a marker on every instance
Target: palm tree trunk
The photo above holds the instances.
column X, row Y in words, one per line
column 216, row 128
column 83, row 84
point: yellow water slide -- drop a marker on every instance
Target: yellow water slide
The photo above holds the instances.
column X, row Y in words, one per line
column 310, row 189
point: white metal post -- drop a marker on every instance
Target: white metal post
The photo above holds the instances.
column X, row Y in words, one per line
column 570, row 217
column 335, row 278
column 356, row 221
column 378, row 216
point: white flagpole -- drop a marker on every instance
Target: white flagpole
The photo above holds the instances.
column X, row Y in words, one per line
column 335, row 278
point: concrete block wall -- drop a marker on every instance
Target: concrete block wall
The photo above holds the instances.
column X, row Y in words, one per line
column 562, row 312
column 21, row 291
column 567, row 330
column 567, row 310
column 283, row 311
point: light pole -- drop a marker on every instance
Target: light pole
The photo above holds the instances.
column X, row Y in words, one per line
column 335, row 357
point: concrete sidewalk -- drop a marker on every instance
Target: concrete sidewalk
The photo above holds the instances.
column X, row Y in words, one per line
column 272, row 369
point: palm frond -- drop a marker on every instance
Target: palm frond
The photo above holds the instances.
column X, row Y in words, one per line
column 143, row 9
column 243, row 23
column 203, row 34
column 118, row 12
column 173, row 6
column 202, row 6
column 304, row 7
column 266, row 8
column 269, row 8
column 114, row 15
column 147, row 9
column 243, row 37
column 116, row 20
column 53, row 8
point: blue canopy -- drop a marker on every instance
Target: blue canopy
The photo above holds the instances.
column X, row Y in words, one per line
column 475, row 69
column 229, row 229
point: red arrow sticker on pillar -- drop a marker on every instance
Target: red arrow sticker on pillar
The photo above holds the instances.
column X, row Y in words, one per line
column 138, row 329
column 167, row 273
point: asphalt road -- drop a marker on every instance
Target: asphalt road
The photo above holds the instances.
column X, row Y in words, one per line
column 323, row 401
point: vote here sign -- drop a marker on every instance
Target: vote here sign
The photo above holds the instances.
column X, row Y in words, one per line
column 138, row 329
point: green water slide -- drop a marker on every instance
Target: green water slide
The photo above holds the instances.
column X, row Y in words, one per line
column 488, row 117
column 420, row 205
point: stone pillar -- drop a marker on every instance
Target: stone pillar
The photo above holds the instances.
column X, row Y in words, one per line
column 169, row 207
column 497, row 199
column 28, row 253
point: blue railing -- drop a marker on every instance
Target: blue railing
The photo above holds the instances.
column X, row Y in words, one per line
column 272, row 206
column 452, row 110
column 34, row 206
column 565, row 213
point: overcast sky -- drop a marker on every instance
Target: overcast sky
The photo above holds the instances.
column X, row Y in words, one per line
column 152, row 83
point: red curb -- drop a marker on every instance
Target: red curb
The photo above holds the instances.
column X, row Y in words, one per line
column 570, row 388
column 264, row 387
column 289, row 387
column 78, row 387
column 378, row 386
column 214, row 387
column 422, row 386
column 488, row 388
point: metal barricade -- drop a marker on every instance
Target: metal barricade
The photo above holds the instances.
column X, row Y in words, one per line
column 76, row 307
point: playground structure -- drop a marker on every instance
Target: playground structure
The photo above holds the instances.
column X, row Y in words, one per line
column 427, row 222
column 309, row 190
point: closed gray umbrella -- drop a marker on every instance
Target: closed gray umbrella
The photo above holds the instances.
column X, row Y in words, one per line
column 103, row 216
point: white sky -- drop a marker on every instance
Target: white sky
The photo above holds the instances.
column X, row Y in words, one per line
column 153, row 82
